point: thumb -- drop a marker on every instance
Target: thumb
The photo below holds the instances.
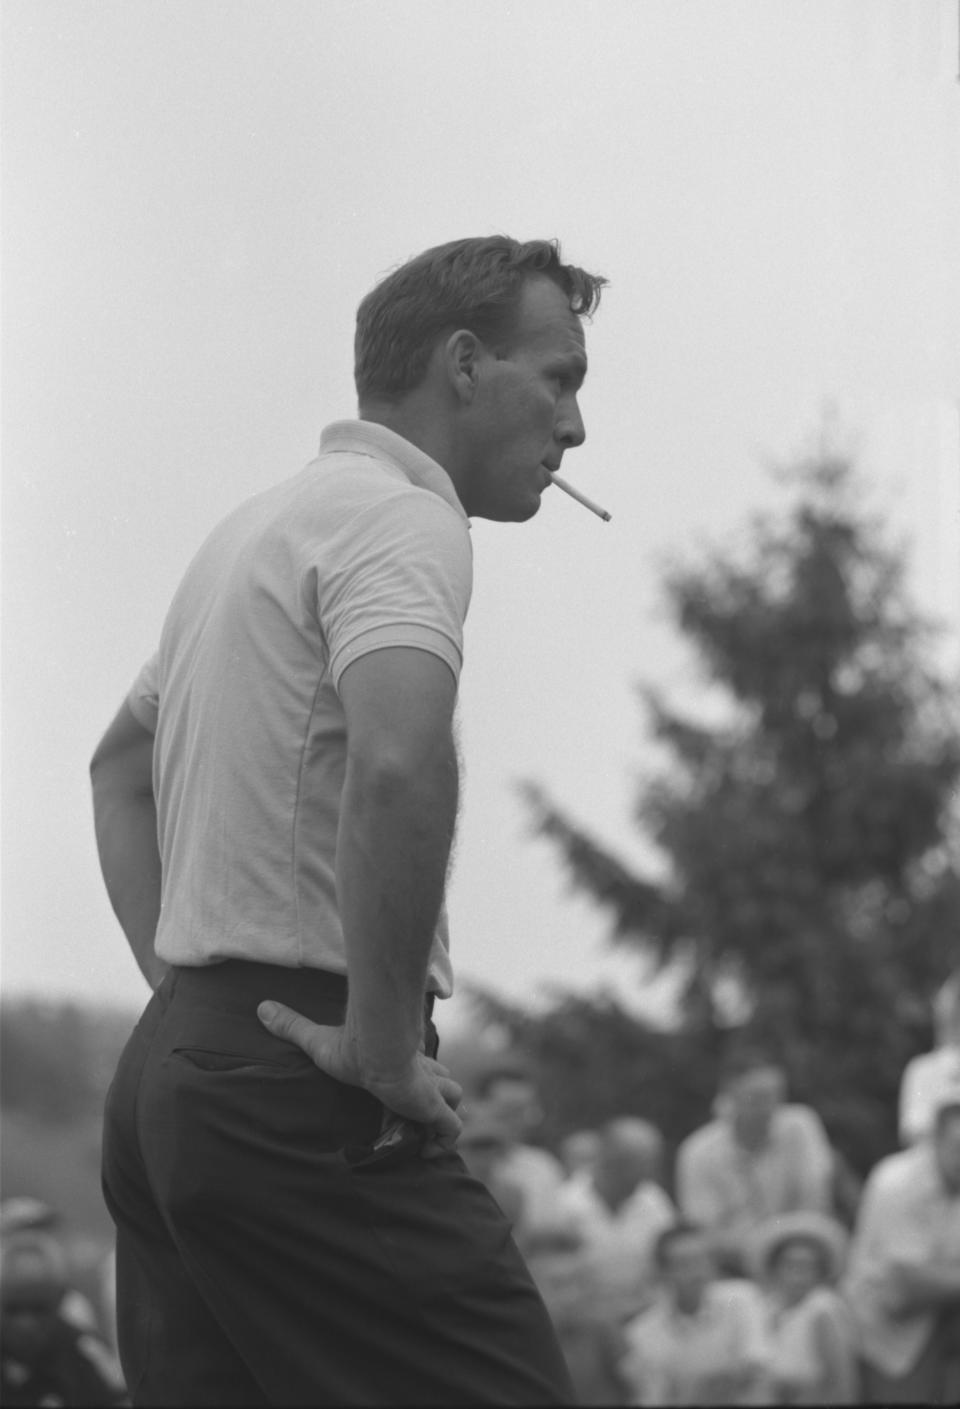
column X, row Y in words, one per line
column 317, row 1041
column 444, row 1132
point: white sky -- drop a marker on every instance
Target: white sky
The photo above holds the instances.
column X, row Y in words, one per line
column 197, row 194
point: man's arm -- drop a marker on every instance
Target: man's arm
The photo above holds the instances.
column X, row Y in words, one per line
column 397, row 817
column 125, row 818
column 923, row 1285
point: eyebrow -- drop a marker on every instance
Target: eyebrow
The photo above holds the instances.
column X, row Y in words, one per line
column 576, row 362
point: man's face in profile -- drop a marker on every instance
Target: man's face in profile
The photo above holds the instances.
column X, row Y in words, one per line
column 526, row 413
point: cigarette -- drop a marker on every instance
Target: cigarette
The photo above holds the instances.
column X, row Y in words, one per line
column 580, row 498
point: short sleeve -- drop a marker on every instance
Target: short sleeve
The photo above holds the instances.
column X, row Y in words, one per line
column 400, row 575
column 144, row 695
column 697, row 1197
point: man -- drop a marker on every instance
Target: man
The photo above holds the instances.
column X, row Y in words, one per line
column 933, row 1077
column 903, row 1285
column 508, row 1095
column 482, row 1146
column 619, row 1210
column 592, row 1343
column 295, row 1231
column 703, row 1341
column 759, row 1157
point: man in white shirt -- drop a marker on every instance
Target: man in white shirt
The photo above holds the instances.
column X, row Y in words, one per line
column 619, row 1210
column 933, row 1077
column 903, row 1283
column 703, row 1341
column 760, row 1157
column 275, row 804
column 507, row 1094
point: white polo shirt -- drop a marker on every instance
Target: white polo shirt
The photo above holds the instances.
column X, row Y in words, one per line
column 367, row 547
column 906, row 1214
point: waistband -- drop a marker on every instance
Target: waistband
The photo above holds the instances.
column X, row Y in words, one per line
column 238, row 985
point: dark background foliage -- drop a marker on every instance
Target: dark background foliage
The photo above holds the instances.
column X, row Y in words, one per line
column 810, row 894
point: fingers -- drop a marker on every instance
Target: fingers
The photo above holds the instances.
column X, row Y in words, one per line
column 293, row 1027
column 451, row 1091
column 444, row 1134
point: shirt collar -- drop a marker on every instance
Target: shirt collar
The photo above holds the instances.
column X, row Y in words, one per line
column 380, row 443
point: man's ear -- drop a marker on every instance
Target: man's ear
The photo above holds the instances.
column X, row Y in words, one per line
column 463, row 352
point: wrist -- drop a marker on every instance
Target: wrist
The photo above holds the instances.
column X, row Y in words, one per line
column 384, row 1055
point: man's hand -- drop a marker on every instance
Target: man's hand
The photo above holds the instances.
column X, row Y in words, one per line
column 422, row 1091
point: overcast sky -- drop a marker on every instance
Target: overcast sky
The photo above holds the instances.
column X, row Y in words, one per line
column 198, row 193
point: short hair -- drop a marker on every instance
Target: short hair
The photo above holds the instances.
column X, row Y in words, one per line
column 806, row 1240
column 473, row 283
column 674, row 1234
column 741, row 1060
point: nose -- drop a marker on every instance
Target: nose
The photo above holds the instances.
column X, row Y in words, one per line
column 570, row 430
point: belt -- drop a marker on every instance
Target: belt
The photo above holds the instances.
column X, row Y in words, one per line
column 238, row 985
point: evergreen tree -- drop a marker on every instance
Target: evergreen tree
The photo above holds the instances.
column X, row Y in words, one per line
column 811, row 893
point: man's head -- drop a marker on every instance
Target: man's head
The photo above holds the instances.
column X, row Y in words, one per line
column 474, row 350
column 555, row 1256
column 578, row 1151
column 752, row 1088
column 482, row 1144
column 685, row 1264
column 946, row 1144
column 508, row 1093
column 629, row 1153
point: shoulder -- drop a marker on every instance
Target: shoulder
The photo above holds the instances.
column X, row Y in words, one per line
column 799, row 1120
column 705, row 1141
column 926, row 1065
column 650, row 1201
column 902, row 1174
column 648, row 1328
column 530, row 1159
column 372, row 498
column 824, row 1303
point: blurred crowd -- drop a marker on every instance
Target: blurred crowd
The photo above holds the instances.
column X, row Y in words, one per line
column 57, row 1316
column 759, row 1270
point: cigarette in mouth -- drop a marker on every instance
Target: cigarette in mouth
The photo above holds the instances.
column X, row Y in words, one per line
column 580, row 498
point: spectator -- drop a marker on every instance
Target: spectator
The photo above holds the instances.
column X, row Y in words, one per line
column 482, row 1146
column 903, row 1285
column 702, row 1342
column 578, row 1150
column 760, row 1157
column 592, row 1346
column 26, row 1221
column 812, row 1360
column 508, row 1094
column 619, row 1210
column 933, row 1077
column 45, row 1360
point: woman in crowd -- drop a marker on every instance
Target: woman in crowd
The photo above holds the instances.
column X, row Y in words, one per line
column 810, row 1339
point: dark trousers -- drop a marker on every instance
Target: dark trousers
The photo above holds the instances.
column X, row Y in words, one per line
column 256, row 1266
